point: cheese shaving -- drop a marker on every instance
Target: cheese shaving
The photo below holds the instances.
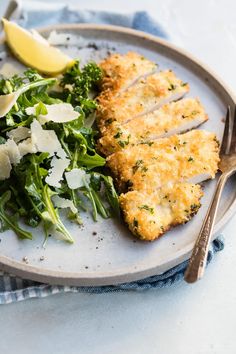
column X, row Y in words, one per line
column 5, row 169
column 63, row 203
column 18, row 134
column 58, row 113
column 11, row 149
column 58, row 167
column 27, row 147
column 46, row 140
column 76, row 178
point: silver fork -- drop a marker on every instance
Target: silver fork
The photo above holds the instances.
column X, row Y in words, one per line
column 227, row 166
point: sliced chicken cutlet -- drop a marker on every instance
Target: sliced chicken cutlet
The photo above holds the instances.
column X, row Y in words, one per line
column 173, row 118
column 146, row 95
column 190, row 157
column 121, row 71
column 149, row 215
column 138, row 114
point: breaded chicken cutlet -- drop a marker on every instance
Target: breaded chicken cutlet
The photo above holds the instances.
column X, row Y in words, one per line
column 173, row 118
column 141, row 116
column 190, row 157
column 121, row 71
column 149, row 215
column 147, row 94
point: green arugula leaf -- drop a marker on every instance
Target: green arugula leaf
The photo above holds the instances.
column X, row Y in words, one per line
column 39, row 194
column 10, row 221
column 26, row 194
column 111, row 194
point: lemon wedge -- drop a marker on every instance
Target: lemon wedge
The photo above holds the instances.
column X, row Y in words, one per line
column 34, row 51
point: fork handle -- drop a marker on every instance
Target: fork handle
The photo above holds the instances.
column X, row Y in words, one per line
column 197, row 262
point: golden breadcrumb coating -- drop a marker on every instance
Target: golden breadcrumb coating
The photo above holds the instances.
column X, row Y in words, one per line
column 149, row 215
column 193, row 156
column 121, row 71
column 176, row 117
column 140, row 121
column 144, row 96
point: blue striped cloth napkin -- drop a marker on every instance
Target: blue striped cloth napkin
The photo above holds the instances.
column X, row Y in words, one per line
column 33, row 14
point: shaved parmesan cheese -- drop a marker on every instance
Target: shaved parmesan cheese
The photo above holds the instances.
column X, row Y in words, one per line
column 5, row 169
column 58, row 113
column 58, row 167
column 8, row 101
column 40, row 141
column 11, row 149
column 18, row 134
column 76, row 178
column 46, row 140
column 62, row 203
column 13, row 152
column 27, row 147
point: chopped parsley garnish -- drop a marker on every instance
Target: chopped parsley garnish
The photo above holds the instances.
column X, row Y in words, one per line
column 109, row 121
column 146, row 207
column 138, row 163
column 118, row 135
column 172, row 87
column 144, row 169
column 124, row 143
column 149, row 143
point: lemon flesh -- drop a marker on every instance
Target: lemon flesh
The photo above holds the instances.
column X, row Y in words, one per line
column 34, row 51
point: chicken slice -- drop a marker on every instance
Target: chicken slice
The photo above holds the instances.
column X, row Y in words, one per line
column 146, row 95
column 190, row 157
column 173, row 118
column 149, row 215
column 121, row 71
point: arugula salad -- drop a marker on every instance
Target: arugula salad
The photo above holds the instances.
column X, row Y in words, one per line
column 47, row 152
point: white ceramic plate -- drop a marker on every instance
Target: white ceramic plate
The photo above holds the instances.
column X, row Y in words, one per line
column 112, row 255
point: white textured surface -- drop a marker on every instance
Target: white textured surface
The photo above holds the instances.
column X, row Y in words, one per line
column 198, row 319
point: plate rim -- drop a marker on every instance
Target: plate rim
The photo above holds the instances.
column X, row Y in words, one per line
column 59, row 277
